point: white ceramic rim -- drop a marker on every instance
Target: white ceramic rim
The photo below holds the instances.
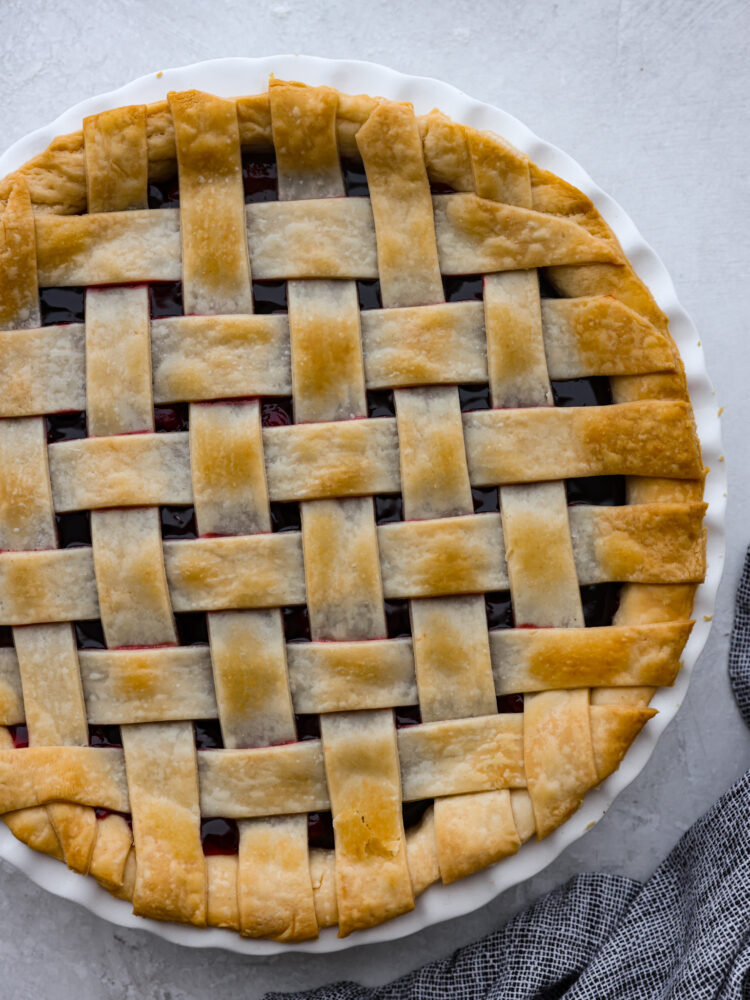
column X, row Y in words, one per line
column 237, row 76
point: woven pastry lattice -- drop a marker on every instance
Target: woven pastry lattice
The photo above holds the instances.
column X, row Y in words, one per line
column 476, row 497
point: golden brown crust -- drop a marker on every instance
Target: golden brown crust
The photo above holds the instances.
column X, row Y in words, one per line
column 537, row 659
column 497, row 778
column 116, row 161
column 18, row 257
column 362, row 772
column 558, row 755
column 537, row 444
column 163, row 792
column 474, row 831
column 274, row 887
column 230, row 493
column 118, row 349
column 215, row 265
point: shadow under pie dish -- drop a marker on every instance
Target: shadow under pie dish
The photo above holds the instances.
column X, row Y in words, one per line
column 345, row 539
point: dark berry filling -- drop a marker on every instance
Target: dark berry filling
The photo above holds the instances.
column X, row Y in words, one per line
column 601, row 491
column 208, row 734
column 485, row 499
column 380, row 403
column 320, row 830
column 296, row 623
column 168, row 419
column 600, row 603
column 66, row 426
column 90, row 635
column 474, row 397
column 192, row 628
column 270, row 297
column 397, row 619
column 499, row 609
column 165, row 299
column 164, row 194
column 546, row 289
column 285, row 517
column 220, row 836
column 73, row 529
column 594, row 391
column 355, row 179
column 407, row 715
column 368, row 292
column 277, row 411
column 105, row 736
column 438, row 187
column 62, row 305
column 463, row 288
column 178, row 523
column 103, row 813
column 389, row 508
column 308, row 727
column 413, row 812
column 20, row 736
column 510, row 703
column 260, row 177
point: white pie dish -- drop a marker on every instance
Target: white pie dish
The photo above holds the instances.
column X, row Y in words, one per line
column 244, row 76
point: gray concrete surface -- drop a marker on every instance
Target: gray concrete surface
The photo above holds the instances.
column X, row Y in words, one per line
column 651, row 97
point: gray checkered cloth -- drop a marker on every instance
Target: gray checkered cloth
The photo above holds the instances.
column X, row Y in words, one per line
column 684, row 934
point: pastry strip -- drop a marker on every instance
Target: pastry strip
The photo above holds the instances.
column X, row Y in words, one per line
column 195, row 357
column 131, row 582
column 541, row 568
column 147, row 685
column 116, row 158
column 539, row 659
column 341, row 676
column 11, row 695
column 231, row 498
column 309, row 239
column 161, row 768
column 26, row 509
column 434, row 473
column 46, row 654
column 455, row 756
column 134, row 600
column 59, row 585
column 118, row 361
column 43, row 370
column 364, row 785
column 130, row 577
column 344, row 590
column 124, row 470
column 360, row 457
column 215, row 266
column 228, row 473
column 537, row 444
column 199, row 357
column 445, row 555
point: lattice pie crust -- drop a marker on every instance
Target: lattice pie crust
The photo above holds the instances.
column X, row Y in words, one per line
column 443, row 200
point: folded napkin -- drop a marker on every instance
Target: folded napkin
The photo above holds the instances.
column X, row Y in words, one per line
column 684, row 934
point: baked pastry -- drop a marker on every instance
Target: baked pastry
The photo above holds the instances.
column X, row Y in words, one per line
column 344, row 539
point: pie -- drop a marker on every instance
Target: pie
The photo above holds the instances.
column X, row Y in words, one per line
column 350, row 505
